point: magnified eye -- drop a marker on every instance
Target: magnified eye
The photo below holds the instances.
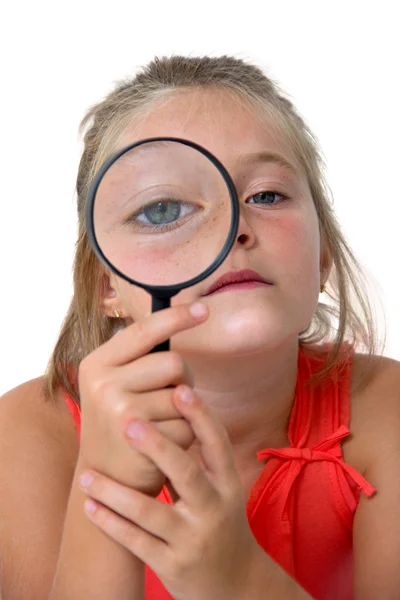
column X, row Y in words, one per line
column 161, row 215
column 266, row 197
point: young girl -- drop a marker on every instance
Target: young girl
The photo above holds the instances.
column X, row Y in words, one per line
column 260, row 457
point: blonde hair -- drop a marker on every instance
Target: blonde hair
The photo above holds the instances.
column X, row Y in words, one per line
column 347, row 317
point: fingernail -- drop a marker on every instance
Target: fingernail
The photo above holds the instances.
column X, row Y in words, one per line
column 186, row 394
column 135, row 431
column 85, row 479
column 198, row 310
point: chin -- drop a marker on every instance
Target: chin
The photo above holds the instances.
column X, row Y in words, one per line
column 242, row 332
column 255, row 338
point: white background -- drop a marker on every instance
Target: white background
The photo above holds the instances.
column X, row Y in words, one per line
column 339, row 61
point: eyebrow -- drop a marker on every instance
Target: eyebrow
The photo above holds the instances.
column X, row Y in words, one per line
column 266, row 157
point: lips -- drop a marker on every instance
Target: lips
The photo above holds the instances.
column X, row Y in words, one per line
column 236, row 277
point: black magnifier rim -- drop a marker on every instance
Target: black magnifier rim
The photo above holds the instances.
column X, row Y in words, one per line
column 163, row 291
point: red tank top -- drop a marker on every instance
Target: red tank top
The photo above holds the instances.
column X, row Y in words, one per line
column 301, row 508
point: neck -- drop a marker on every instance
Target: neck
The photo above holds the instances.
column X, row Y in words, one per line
column 252, row 396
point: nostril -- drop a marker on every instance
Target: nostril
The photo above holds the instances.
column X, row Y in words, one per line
column 243, row 238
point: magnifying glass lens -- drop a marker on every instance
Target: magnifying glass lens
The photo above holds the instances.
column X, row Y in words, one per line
column 162, row 213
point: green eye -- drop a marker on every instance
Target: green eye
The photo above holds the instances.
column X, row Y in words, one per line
column 161, row 213
column 161, row 216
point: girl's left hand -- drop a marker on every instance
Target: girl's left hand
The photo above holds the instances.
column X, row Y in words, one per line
column 202, row 546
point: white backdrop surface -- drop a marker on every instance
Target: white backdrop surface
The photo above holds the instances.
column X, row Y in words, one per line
column 337, row 60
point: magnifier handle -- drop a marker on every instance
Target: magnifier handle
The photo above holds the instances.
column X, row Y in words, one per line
column 156, row 305
column 161, row 347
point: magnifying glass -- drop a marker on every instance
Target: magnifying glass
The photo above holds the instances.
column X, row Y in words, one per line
column 163, row 214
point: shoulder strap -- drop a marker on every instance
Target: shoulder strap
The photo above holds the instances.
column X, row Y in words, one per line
column 320, row 408
column 74, row 410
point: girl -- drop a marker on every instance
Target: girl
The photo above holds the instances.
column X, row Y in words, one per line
column 260, row 457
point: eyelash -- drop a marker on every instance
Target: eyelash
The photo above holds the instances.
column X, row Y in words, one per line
column 283, row 197
column 160, row 228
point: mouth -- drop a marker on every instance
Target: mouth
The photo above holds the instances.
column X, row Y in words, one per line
column 237, row 280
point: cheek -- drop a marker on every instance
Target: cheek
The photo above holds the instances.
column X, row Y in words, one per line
column 294, row 242
column 177, row 257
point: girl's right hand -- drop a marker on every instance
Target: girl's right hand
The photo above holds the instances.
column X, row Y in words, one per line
column 120, row 381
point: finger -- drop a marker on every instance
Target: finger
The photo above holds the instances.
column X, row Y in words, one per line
column 177, row 430
column 187, row 477
column 153, row 372
column 140, row 337
column 153, row 516
column 156, row 405
column 215, row 446
column 149, row 549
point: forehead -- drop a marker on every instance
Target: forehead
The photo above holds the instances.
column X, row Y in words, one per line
column 217, row 120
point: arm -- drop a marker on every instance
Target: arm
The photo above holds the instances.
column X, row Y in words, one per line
column 39, row 450
column 91, row 565
column 377, row 521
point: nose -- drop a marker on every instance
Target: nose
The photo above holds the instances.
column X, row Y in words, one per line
column 245, row 235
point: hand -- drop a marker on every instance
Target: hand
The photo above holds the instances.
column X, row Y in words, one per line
column 120, row 381
column 202, row 546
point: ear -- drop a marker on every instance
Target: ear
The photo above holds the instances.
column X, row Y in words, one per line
column 109, row 300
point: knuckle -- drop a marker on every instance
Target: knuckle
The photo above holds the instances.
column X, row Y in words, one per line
column 88, row 374
column 125, row 407
column 100, row 487
column 108, row 395
column 189, row 376
column 127, row 536
column 142, row 327
column 102, row 387
column 106, row 392
column 182, row 434
column 104, row 518
column 177, row 365
column 141, row 510
column 177, row 315
column 191, row 474
column 179, row 318
column 159, row 442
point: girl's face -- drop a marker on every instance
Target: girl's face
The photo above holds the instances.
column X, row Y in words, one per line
column 279, row 240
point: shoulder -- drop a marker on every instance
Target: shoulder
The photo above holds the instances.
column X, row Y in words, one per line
column 375, row 428
column 37, row 437
column 38, row 450
column 375, row 407
column 24, row 410
column 377, row 395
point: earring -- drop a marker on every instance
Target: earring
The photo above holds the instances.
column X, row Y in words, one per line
column 117, row 313
column 322, row 290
